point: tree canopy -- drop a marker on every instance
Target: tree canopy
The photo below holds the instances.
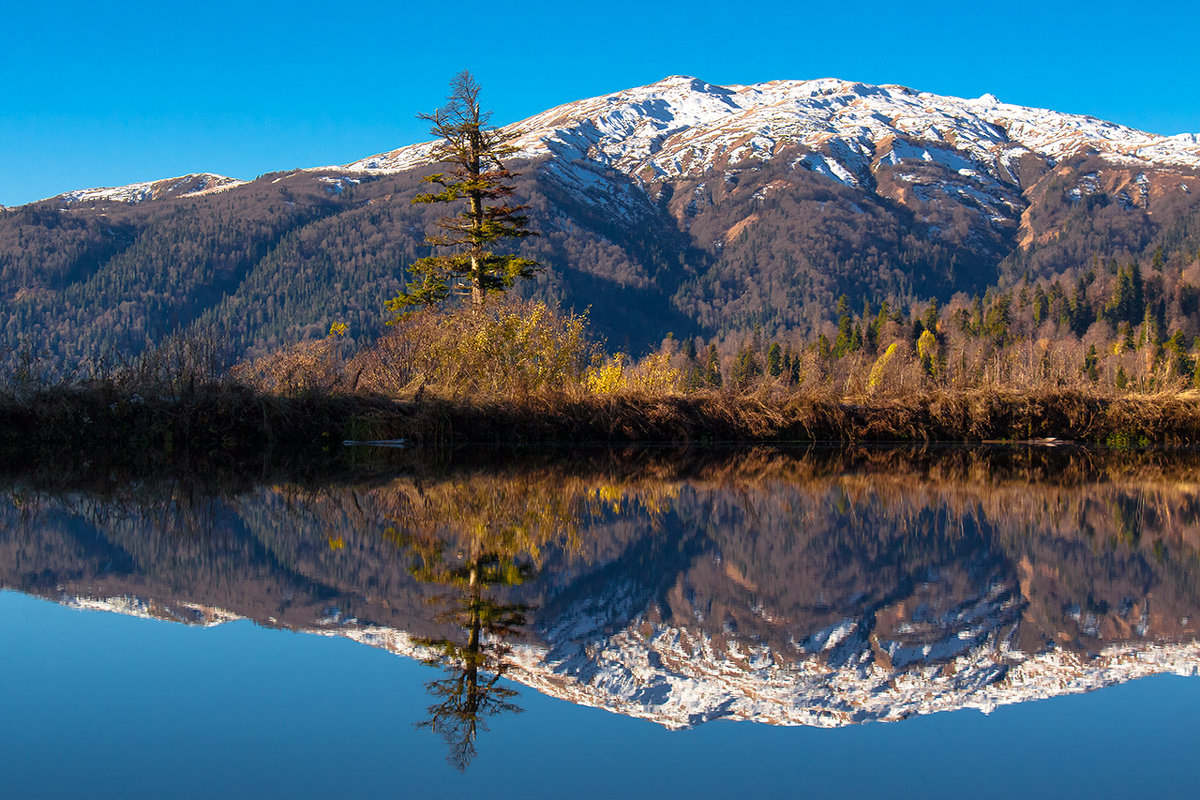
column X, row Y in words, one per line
column 474, row 150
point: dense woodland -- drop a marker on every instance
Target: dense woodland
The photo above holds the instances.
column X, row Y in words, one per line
column 812, row 285
column 1112, row 326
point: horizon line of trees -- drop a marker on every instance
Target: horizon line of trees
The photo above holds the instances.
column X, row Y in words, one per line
column 1114, row 326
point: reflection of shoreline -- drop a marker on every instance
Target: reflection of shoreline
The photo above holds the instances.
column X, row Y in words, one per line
column 722, row 465
column 820, row 588
column 656, row 679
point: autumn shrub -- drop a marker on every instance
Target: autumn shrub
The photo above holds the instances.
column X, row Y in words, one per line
column 305, row 367
column 509, row 348
column 656, row 374
column 176, row 367
column 23, row 369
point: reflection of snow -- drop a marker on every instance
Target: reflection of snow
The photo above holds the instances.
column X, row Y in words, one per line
column 679, row 677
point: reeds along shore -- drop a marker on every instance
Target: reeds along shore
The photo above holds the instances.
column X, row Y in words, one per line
column 233, row 422
column 521, row 372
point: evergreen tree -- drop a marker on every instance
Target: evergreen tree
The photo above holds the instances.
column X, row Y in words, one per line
column 745, row 368
column 1126, row 303
column 474, row 150
column 931, row 316
column 976, row 315
column 823, row 348
column 845, row 341
column 1138, row 289
column 1179, row 362
column 1153, row 324
column 774, row 360
column 712, row 368
column 998, row 319
column 1079, row 312
column 1041, row 306
column 1091, row 362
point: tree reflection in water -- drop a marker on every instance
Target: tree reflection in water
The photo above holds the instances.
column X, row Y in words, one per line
column 479, row 537
column 471, row 690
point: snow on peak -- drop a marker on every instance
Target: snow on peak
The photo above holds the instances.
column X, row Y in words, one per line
column 183, row 186
column 683, row 125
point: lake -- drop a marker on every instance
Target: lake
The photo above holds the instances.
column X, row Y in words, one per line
column 643, row 622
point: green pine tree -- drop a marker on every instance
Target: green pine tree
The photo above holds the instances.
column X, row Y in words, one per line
column 712, row 368
column 1091, row 365
column 774, row 360
column 478, row 178
column 745, row 368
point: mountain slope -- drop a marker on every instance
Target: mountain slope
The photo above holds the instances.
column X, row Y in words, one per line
column 679, row 206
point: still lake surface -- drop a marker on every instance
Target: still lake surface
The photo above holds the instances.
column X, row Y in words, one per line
column 656, row 623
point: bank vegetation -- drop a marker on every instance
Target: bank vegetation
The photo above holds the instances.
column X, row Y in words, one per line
column 521, row 371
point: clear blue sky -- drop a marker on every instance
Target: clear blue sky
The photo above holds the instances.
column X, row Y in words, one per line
column 104, row 94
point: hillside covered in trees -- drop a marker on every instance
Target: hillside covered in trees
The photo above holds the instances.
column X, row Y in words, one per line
column 1082, row 260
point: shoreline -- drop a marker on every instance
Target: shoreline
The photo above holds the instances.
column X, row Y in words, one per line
column 237, row 422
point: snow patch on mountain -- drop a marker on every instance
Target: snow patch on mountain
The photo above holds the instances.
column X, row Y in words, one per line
column 183, row 186
column 682, row 126
column 131, row 606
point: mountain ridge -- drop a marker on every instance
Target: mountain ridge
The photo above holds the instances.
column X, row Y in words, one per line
column 680, row 207
column 1182, row 149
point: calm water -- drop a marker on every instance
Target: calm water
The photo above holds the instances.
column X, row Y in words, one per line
column 646, row 623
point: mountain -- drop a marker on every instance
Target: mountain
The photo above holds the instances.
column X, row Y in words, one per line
column 183, row 186
column 681, row 206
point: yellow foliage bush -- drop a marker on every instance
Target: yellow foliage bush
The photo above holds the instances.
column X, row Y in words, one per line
column 876, row 377
column 654, row 374
column 608, row 377
column 508, row 348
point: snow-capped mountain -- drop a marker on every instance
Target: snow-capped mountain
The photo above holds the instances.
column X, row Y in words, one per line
column 194, row 185
column 682, row 127
column 681, row 206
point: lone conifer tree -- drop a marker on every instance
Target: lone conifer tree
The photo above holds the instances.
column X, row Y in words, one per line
column 477, row 175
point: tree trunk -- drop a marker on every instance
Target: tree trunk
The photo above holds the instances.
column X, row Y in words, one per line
column 474, row 170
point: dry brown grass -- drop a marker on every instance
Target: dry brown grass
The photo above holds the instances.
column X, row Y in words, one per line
column 976, row 416
column 510, row 348
column 235, row 419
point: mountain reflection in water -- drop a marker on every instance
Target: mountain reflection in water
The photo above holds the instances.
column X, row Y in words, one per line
column 818, row 588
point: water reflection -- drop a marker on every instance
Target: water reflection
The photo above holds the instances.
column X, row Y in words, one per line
column 820, row 588
column 471, row 690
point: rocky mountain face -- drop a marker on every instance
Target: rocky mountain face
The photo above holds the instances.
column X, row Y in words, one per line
column 679, row 206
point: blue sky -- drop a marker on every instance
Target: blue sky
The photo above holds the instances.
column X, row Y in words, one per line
column 98, row 94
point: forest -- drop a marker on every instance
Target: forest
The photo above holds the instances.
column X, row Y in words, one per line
column 278, row 260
